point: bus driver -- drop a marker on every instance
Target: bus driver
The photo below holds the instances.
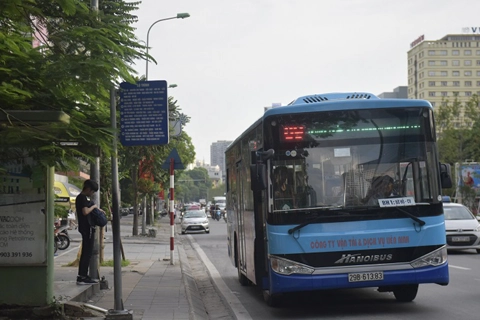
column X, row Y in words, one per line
column 381, row 188
column 284, row 193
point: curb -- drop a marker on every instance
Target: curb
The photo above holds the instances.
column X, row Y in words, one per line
column 197, row 309
column 236, row 308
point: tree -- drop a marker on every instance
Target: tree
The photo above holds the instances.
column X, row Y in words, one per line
column 193, row 185
column 217, row 191
column 80, row 57
column 152, row 158
column 458, row 139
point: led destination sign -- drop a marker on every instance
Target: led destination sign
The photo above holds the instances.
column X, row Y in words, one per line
column 320, row 132
column 361, row 124
column 293, row 133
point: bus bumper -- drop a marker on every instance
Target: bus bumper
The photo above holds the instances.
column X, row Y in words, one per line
column 294, row 283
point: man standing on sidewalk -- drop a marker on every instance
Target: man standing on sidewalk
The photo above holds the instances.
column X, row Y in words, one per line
column 84, row 207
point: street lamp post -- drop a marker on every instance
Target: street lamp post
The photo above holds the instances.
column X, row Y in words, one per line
column 178, row 16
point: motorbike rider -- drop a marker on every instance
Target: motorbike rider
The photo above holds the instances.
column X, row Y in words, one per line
column 212, row 211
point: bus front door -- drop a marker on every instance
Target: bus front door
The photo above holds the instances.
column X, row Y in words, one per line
column 240, row 236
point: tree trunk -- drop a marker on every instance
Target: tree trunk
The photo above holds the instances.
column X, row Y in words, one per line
column 150, row 210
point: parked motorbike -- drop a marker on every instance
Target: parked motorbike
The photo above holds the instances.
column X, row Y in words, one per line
column 62, row 239
column 163, row 213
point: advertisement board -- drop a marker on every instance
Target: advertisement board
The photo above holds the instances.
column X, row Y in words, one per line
column 22, row 222
column 468, row 174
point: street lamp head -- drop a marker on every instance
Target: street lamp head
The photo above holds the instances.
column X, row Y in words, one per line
column 179, row 16
column 183, row 15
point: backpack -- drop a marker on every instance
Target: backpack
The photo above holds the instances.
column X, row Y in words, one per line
column 97, row 218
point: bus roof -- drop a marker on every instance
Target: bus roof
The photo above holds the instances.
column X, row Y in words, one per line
column 343, row 101
column 333, row 96
column 336, row 101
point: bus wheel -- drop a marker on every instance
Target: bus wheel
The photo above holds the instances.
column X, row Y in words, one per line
column 405, row 293
column 272, row 300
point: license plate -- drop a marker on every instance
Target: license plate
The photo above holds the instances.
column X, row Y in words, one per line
column 195, row 227
column 365, row 276
column 460, row 239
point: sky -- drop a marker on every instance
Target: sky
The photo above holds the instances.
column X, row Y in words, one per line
column 232, row 58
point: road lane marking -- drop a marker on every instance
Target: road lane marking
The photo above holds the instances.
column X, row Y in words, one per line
column 457, row 267
column 237, row 307
column 65, row 252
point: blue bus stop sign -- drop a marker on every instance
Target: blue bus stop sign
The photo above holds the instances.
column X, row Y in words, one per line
column 144, row 113
column 177, row 162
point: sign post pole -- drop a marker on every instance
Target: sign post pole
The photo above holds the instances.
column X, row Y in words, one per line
column 172, row 210
column 171, row 163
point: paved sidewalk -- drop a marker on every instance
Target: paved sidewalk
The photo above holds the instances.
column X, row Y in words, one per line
column 152, row 288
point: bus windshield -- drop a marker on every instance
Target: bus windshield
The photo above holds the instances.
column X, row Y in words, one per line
column 354, row 159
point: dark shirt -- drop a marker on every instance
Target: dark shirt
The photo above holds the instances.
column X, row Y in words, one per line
column 81, row 202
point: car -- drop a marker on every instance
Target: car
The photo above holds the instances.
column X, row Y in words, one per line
column 124, row 211
column 195, row 221
column 192, row 207
column 462, row 226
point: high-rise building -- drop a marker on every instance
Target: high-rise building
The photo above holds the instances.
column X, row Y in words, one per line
column 445, row 68
column 217, row 154
column 398, row 93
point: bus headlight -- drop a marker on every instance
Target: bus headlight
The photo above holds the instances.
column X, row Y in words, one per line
column 287, row 267
column 436, row 258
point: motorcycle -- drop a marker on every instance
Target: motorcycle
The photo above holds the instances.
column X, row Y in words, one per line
column 163, row 213
column 218, row 214
column 62, row 239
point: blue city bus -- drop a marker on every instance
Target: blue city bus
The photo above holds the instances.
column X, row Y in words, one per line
column 340, row 190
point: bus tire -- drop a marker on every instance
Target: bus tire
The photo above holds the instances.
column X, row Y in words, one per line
column 405, row 293
column 272, row 300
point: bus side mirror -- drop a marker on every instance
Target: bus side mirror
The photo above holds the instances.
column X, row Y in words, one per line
column 445, row 176
column 258, row 177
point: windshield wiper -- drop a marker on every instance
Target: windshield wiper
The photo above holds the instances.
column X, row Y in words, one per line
column 413, row 217
column 306, row 223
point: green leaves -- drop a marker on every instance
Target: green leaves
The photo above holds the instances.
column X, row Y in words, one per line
column 458, row 124
column 68, row 6
column 82, row 55
column 193, row 185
